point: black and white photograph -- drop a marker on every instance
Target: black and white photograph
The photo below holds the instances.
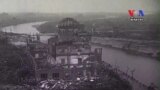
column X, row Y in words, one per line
column 79, row 45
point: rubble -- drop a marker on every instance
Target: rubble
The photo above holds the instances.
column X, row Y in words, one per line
column 84, row 84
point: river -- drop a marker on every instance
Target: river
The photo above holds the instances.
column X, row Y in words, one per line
column 23, row 28
column 146, row 69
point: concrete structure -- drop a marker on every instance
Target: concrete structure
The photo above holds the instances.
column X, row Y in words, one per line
column 67, row 55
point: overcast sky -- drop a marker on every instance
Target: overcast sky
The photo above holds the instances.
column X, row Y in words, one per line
column 70, row 6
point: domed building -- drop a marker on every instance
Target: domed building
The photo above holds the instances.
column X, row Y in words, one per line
column 69, row 51
column 68, row 29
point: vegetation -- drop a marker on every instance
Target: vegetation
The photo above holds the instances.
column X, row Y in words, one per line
column 14, row 64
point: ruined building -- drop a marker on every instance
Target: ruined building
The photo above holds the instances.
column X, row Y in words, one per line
column 68, row 54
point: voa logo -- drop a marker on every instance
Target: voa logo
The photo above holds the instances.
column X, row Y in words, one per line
column 136, row 15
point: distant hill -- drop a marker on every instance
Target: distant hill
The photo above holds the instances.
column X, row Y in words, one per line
column 6, row 19
column 19, row 18
column 116, row 23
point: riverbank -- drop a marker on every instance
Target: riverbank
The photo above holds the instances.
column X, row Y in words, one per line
column 125, row 51
column 145, row 69
column 136, row 47
column 27, row 28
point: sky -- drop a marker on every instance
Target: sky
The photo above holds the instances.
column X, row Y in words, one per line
column 77, row 6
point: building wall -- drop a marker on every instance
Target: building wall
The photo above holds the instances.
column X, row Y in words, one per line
column 50, row 73
column 72, row 59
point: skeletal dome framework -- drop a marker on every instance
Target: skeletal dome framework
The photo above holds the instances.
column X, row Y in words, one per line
column 68, row 23
column 68, row 29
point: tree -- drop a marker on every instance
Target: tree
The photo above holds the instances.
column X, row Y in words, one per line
column 154, row 32
column 12, row 62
